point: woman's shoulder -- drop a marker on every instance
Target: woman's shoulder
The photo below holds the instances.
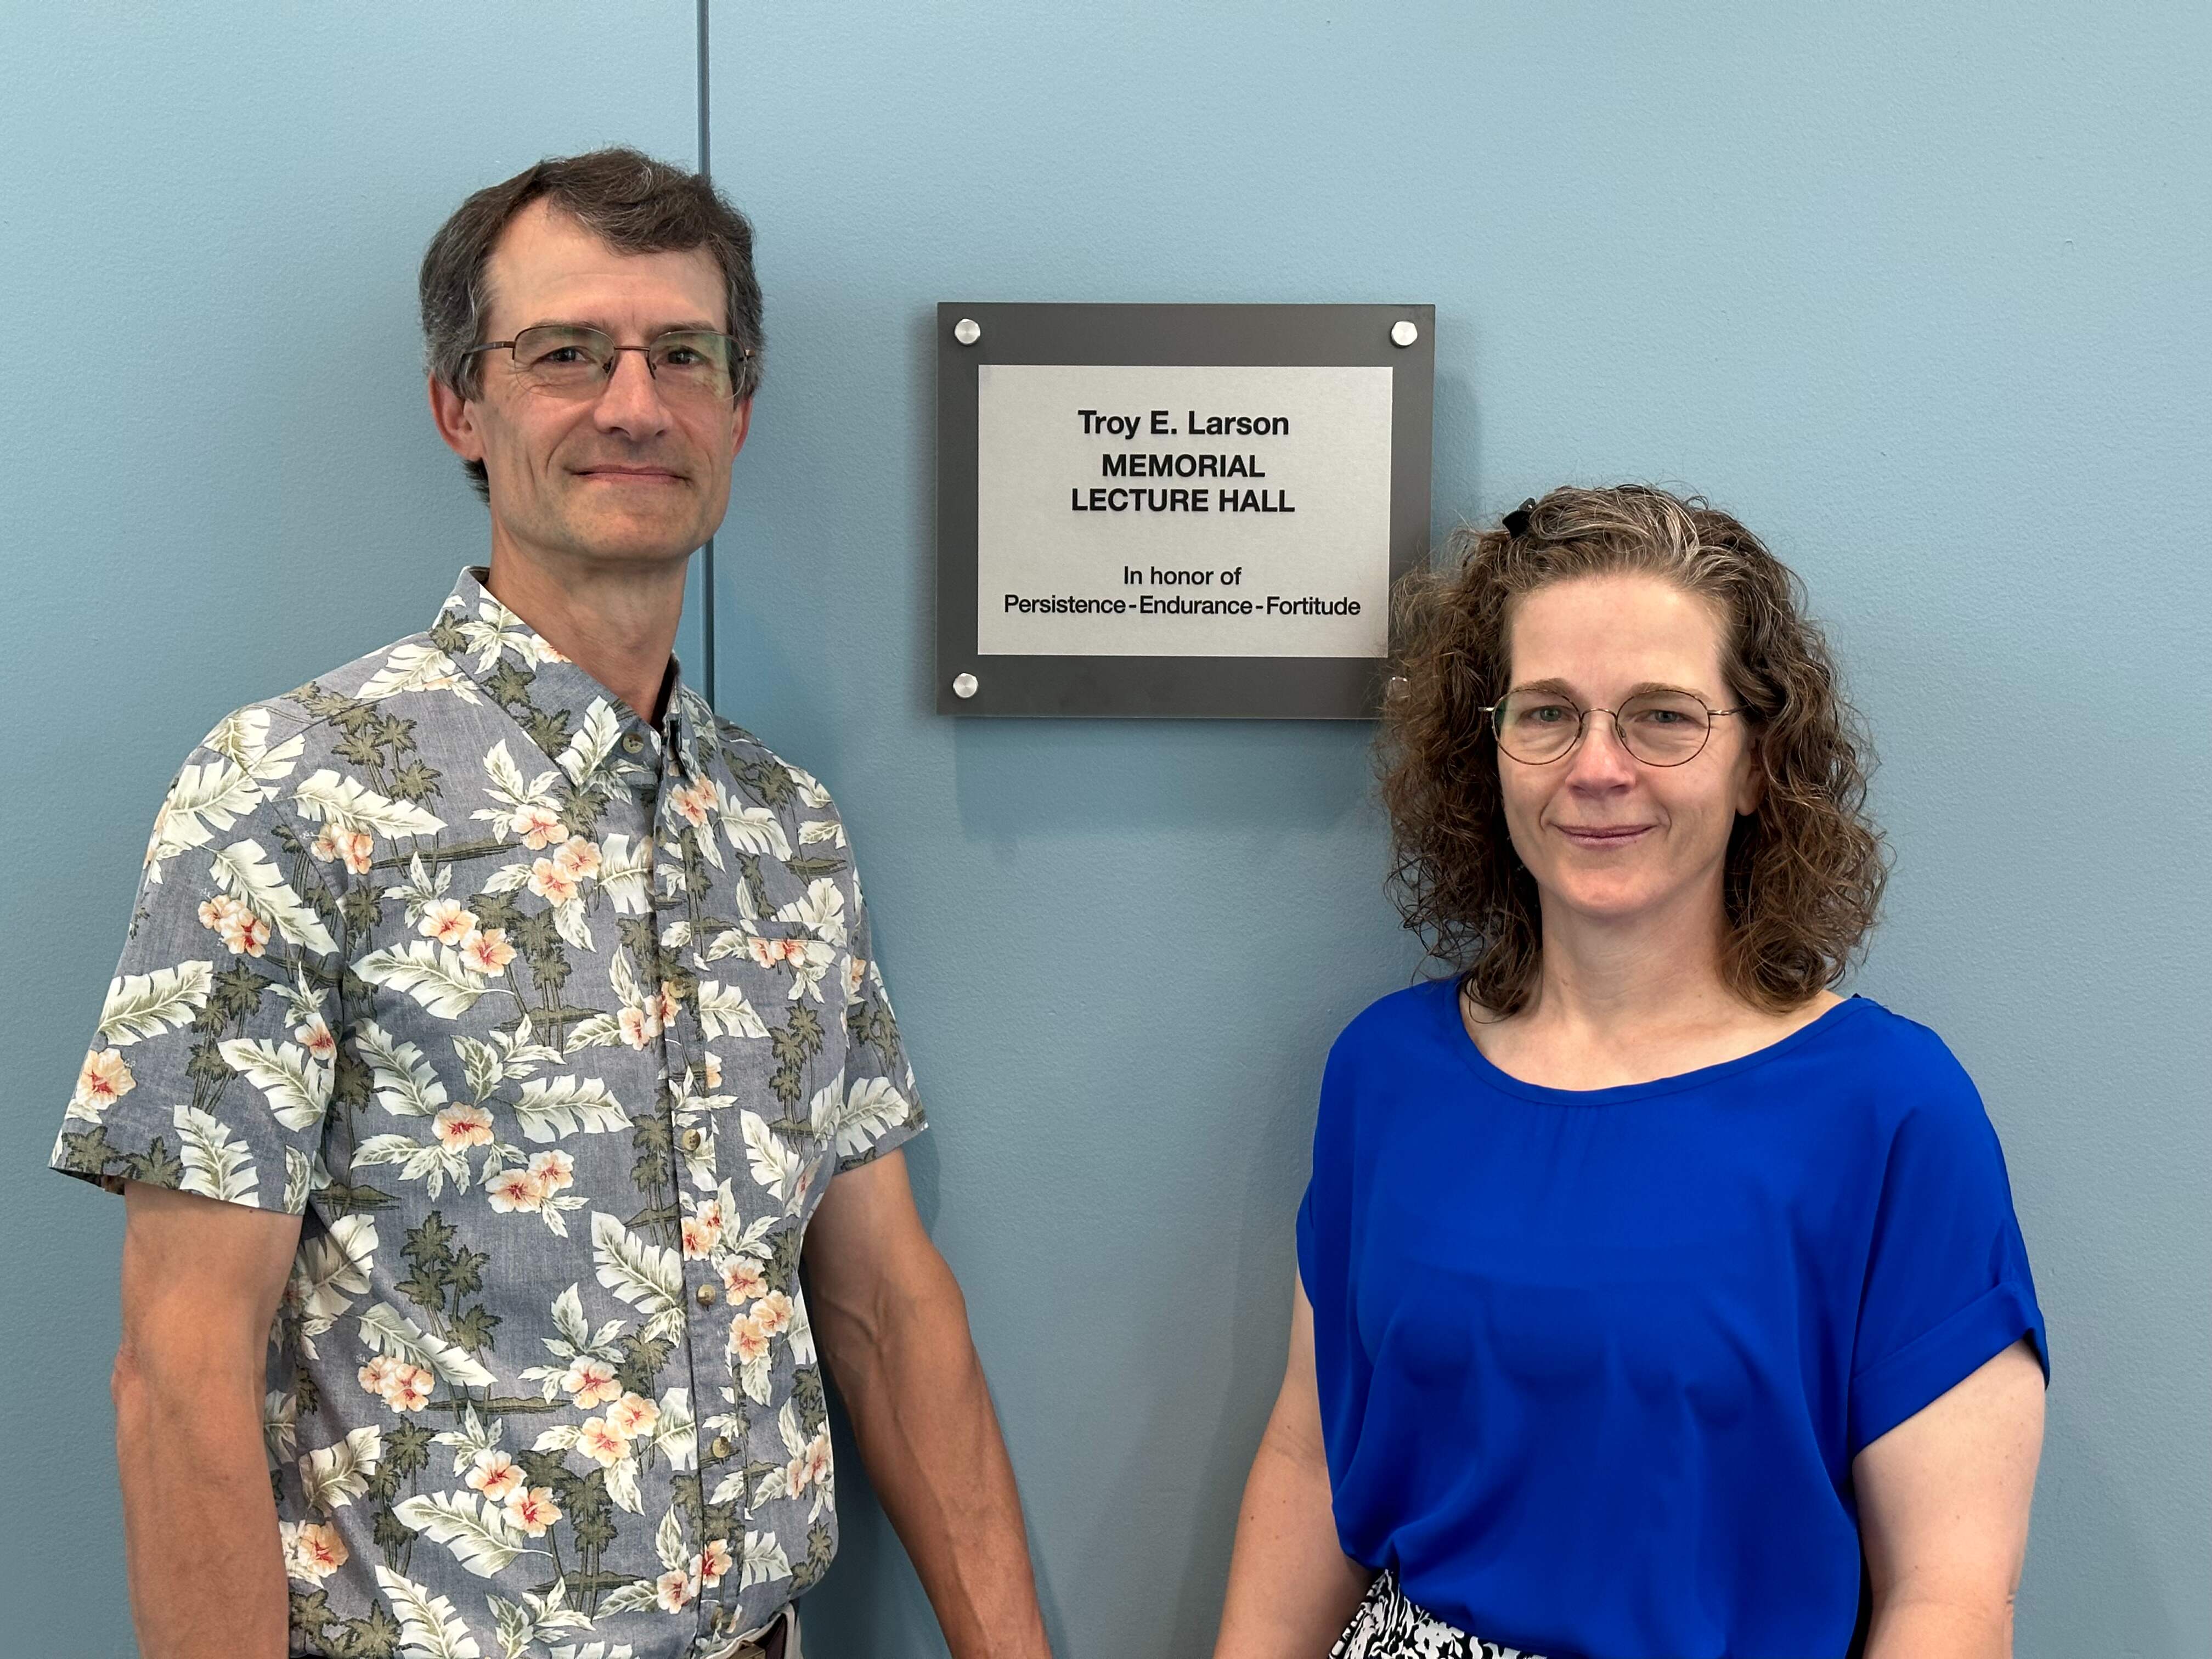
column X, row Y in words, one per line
column 1386, row 1022
column 1903, row 1070
column 1391, row 1035
column 1881, row 1032
column 1386, row 1052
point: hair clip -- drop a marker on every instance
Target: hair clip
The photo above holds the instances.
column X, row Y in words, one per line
column 1516, row 521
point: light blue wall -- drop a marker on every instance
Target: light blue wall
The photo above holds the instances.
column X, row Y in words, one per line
column 1921, row 292
column 217, row 479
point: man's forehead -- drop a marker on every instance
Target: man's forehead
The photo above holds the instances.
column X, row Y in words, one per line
column 548, row 266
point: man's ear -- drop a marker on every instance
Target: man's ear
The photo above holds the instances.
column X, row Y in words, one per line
column 739, row 428
column 455, row 417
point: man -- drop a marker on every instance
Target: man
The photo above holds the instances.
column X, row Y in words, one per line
column 496, row 1025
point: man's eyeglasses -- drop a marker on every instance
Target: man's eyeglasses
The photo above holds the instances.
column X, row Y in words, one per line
column 696, row 365
column 1660, row 728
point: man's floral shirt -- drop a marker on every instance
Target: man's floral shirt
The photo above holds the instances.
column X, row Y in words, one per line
column 553, row 1025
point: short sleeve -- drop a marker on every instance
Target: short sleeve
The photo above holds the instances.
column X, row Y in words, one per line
column 1327, row 1267
column 210, row 1067
column 1948, row 1286
column 1323, row 1227
column 881, row 1108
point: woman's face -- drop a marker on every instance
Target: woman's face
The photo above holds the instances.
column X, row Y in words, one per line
column 1604, row 835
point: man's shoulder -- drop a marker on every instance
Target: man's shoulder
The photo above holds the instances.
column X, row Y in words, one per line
column 767, row 777
column 317, row 712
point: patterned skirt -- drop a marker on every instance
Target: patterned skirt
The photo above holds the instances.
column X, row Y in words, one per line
column 1388, row 1626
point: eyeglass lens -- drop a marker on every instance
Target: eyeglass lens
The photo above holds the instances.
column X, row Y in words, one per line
column 578, row 362
column 1660, row 728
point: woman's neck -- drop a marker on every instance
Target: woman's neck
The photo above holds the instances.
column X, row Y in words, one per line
column 1626, row 1001
column 1658, row 964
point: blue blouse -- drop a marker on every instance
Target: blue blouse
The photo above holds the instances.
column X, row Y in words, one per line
column 1594, row 1363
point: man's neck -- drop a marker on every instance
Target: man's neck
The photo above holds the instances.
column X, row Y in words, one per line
column 616, row 622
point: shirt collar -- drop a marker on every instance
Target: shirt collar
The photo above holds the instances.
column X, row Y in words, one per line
column 551, row 697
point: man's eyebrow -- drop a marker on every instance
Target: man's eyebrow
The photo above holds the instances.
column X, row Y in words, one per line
column 652, row 334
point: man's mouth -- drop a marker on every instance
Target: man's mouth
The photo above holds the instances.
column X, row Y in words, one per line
column 625, row 474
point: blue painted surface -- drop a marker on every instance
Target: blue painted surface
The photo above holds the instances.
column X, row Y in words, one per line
column 1919, row 291
column 220, row 478
column 1921, row 296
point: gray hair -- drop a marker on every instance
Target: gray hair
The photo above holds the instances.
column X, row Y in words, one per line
column 631, row 202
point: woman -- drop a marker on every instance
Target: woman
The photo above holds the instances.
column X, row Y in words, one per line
column 1646, row 1286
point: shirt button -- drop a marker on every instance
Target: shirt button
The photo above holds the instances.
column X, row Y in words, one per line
column 633, row 744
column 720, row 1447
column 693, row 1140
column 707, row 1292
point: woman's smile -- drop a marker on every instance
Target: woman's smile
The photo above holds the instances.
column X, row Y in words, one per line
column 1606, row 837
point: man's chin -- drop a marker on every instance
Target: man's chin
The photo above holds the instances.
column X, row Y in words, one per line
column 618, row 544
column 641, row 536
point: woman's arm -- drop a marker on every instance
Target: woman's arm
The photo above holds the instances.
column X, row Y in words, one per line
column 1291, row 1588
column 1943, row 1500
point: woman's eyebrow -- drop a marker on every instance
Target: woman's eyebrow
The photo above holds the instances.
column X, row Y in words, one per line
column 1642, row 688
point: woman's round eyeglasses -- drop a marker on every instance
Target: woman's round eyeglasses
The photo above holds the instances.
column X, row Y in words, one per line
column 1660, row 728
column 571, row 361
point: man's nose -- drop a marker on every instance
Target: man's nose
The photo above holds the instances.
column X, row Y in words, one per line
column 631, row 401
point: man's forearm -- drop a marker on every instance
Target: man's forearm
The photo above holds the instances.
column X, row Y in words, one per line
column 910, row 1377
column 199, row 1521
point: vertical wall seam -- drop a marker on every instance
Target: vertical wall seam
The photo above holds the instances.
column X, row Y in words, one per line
column 706, row 553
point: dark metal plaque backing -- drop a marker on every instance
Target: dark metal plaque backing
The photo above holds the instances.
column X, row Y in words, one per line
column 1180, row 687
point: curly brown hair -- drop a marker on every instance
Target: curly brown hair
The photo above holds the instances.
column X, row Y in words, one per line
column 1804, row 871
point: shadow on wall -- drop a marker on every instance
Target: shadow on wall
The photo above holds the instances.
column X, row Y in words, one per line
column 1101, row 777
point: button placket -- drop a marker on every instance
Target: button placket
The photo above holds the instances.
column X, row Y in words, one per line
column 726, row 1600
column 682, row 1050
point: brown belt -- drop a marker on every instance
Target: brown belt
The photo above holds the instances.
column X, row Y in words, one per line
column 773, row 1643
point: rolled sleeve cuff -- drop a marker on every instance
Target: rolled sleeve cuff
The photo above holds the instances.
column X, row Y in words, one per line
column 1891, row 1390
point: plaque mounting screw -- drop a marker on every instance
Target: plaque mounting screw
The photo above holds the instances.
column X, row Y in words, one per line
column 967, row 331
column 964, row 685
column 1402, row 332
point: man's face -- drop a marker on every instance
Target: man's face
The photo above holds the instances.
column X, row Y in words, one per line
column 636, row 474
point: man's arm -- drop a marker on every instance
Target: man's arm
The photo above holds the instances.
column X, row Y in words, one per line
column 1291, row 1587
column 201, row 1281
column 1943, row 1501
column 891, row 1322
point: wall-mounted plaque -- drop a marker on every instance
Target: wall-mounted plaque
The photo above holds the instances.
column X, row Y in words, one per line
column 1176, row 510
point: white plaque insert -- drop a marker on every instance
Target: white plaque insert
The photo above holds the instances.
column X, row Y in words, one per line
column 1135, row 510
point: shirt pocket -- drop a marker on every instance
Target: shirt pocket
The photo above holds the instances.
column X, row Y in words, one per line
column 770, row 1000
